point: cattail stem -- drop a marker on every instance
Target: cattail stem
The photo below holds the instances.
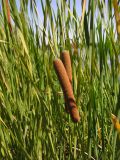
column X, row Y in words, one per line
column 67, row 89
column 83, row 11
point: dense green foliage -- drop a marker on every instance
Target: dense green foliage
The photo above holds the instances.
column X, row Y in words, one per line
column 33, row 121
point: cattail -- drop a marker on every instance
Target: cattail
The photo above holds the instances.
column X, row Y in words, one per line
column 67, row 89
column 65, row 57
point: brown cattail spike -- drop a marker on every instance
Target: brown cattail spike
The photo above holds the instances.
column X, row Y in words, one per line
column 67, row 89
column 65, row 57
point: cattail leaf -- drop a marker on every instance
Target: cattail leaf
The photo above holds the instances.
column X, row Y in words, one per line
column 87, row 38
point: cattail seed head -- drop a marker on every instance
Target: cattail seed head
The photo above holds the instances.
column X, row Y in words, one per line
column 65, row 57
column 63, row 78
column 67, row 89
column 75, row 114
column 73, row 110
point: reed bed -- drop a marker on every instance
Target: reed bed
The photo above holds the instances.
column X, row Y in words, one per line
column 33, row 121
